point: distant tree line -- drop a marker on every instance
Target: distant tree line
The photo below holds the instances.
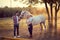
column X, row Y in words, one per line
column 8, row 12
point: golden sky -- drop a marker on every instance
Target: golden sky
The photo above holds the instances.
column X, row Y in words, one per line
column 12, row 3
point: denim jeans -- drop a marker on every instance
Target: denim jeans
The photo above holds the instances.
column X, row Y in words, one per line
column 16, row 29
column 30, row 29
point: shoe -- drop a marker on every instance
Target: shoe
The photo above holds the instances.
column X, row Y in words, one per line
column 18, row 36
column 14, row 36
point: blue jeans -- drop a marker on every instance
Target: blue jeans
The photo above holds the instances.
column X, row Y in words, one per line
column 16, row 29
column 30, row 29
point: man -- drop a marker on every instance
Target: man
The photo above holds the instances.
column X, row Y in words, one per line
column 16, row 24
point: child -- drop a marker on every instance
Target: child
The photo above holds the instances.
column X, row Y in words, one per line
column 16, row 24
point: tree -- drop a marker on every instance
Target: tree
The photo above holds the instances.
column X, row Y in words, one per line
column 56, row 6
column 56, row 11
column 6, row 7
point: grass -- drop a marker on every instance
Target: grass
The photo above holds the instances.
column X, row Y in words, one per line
column 6, row 23
column 6, row 29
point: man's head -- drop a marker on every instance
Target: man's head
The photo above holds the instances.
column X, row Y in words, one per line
column 17, row 13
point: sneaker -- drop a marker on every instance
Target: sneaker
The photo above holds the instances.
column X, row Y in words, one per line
column 18, row 36
column 14, row 36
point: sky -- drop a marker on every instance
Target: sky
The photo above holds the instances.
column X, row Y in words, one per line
column 12, row 3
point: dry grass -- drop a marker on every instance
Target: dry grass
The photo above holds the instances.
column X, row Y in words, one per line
column 6, row 29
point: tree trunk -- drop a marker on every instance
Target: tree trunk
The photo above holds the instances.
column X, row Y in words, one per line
column 51, row 15
column 49, row 21
column 56, row 19
column 48, row 14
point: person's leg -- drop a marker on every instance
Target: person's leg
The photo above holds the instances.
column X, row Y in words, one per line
column 18, row 30
column 30, row 28
column 14, row 30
